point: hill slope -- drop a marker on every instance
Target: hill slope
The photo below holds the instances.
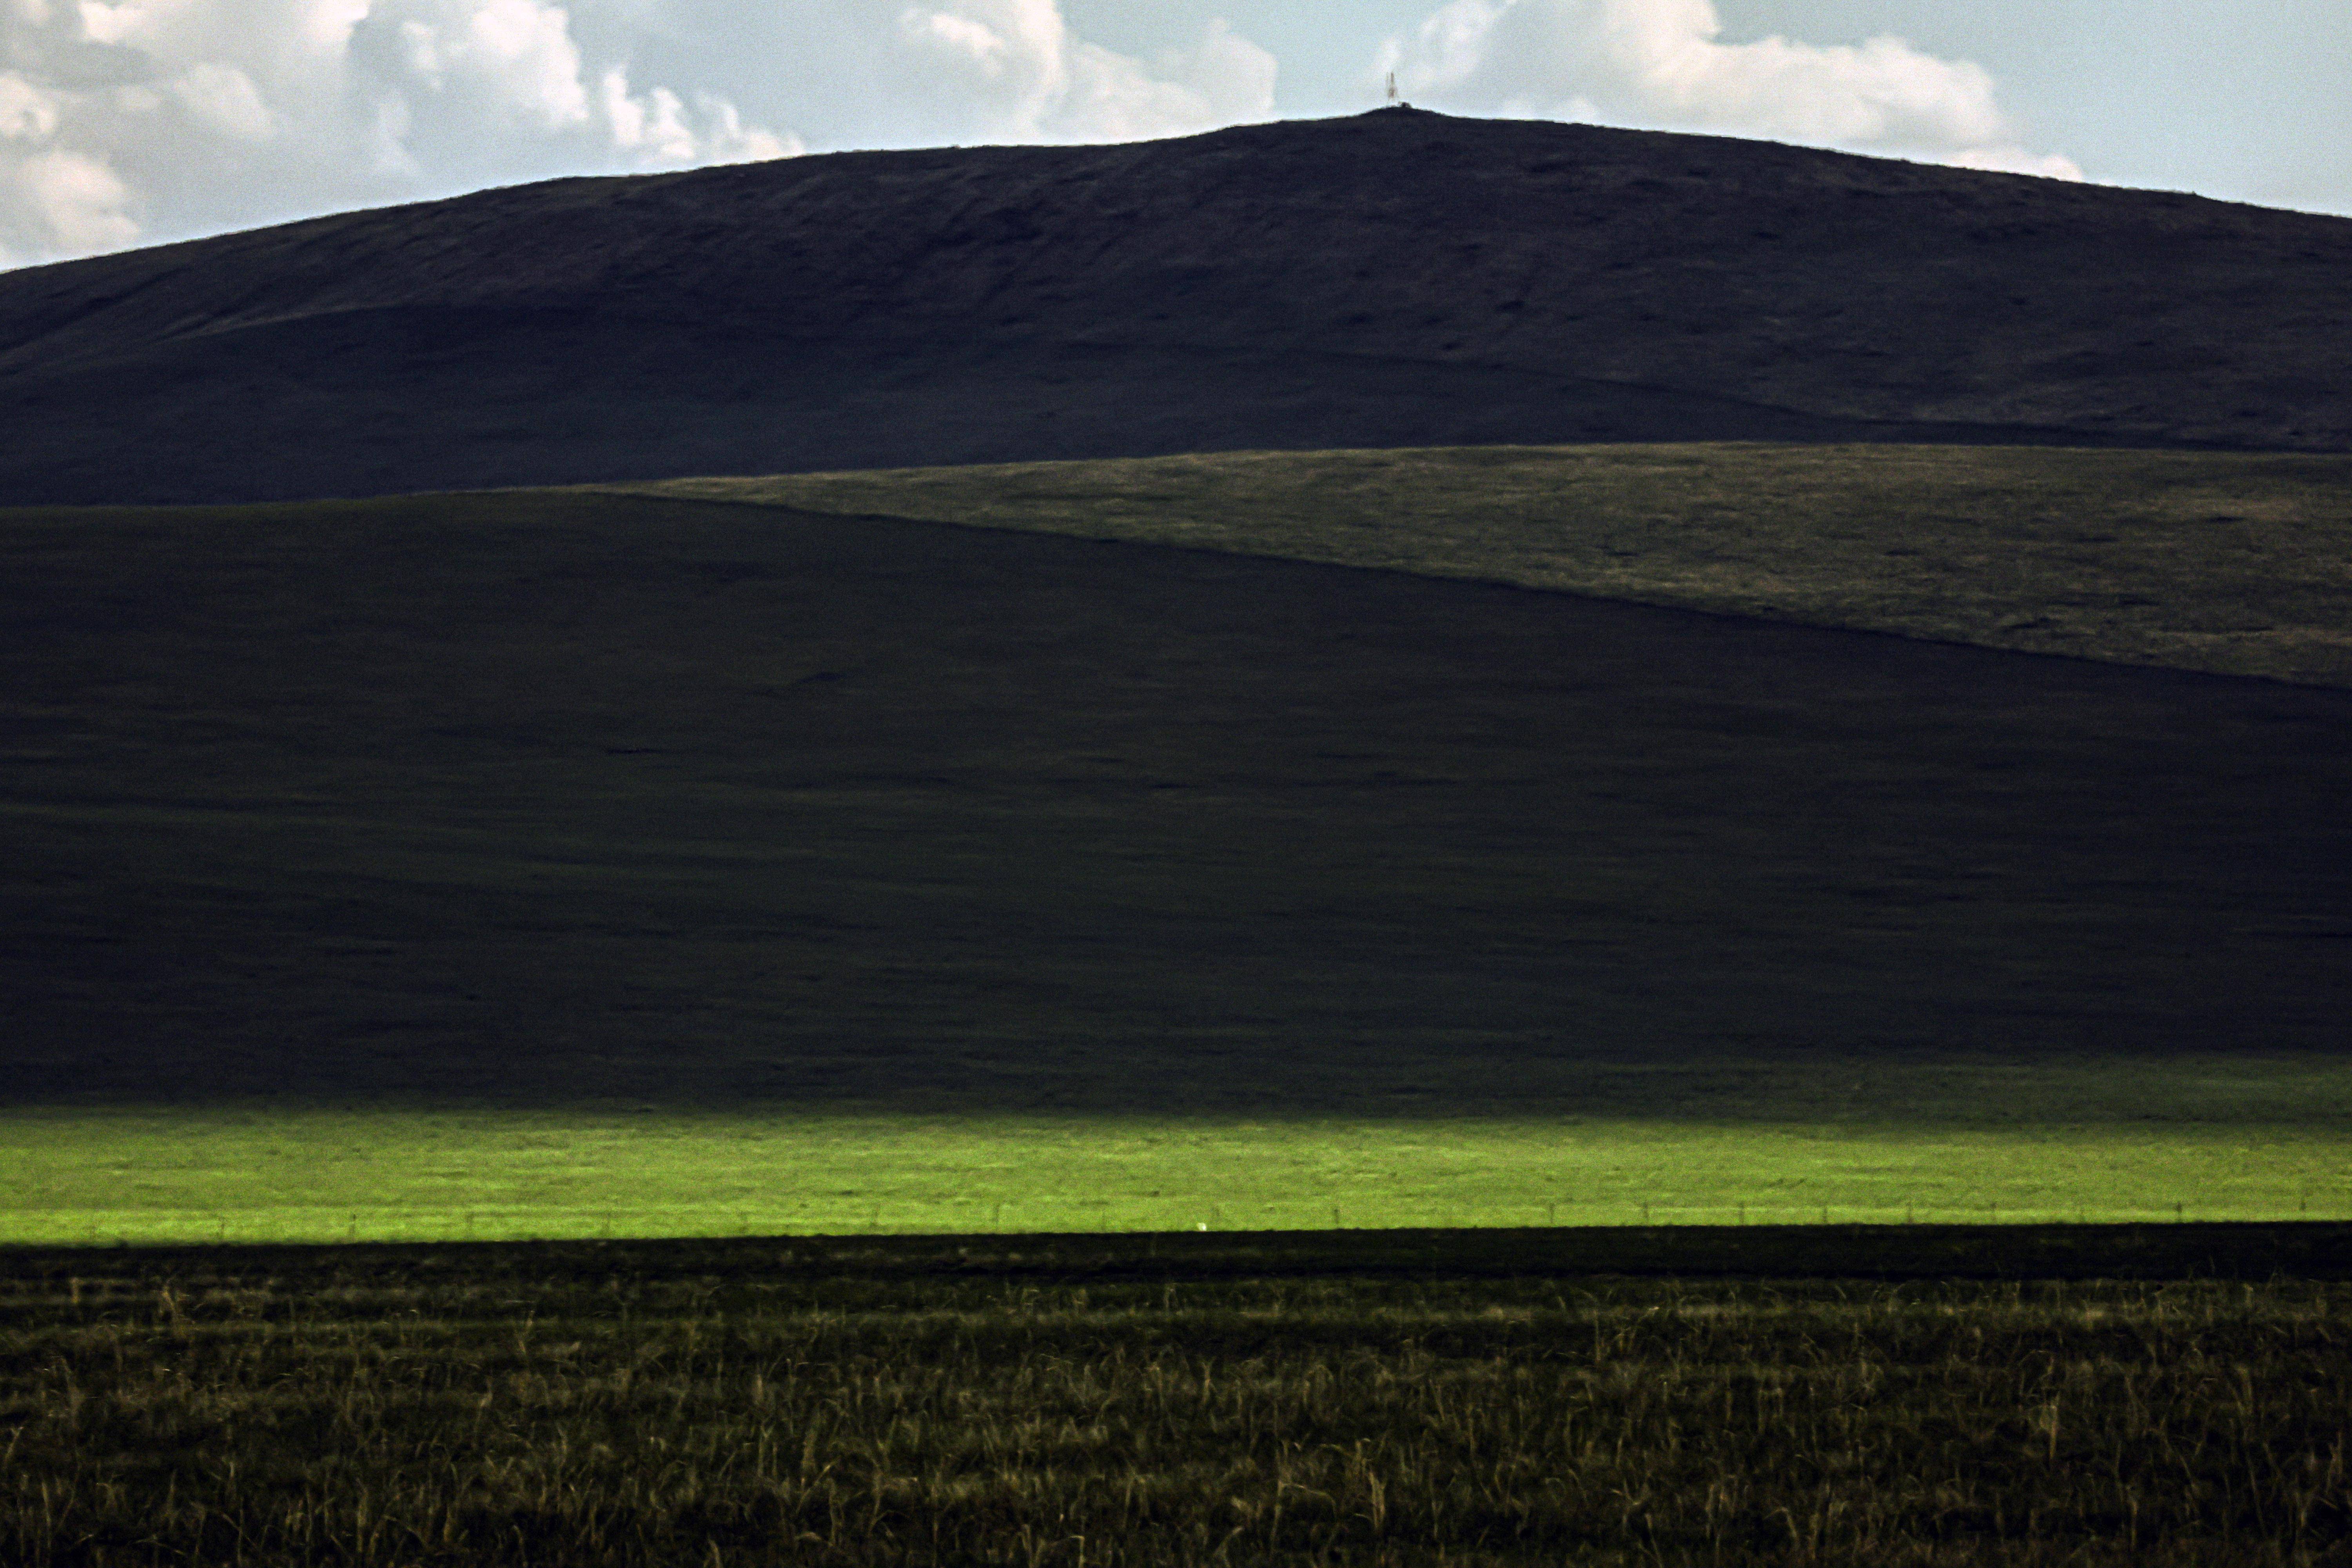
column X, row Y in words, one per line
column 1395, row 278
column 544, row 798
column 2230, row 563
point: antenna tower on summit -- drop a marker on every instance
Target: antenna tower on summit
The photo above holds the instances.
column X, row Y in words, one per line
column 1393, row 90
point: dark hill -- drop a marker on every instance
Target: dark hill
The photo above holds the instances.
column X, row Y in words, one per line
column 1397, row 278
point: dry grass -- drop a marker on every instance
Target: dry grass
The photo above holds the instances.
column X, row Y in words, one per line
column 2231, row 562
column 232, row 1418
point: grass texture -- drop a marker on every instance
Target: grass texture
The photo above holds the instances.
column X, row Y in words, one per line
column 458, row 1410
column 2237, row 563
column 212, row 1174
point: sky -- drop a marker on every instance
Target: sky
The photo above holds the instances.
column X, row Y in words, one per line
column 126, row 122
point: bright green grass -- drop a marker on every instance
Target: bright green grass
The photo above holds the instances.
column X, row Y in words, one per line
column 1801, row 1140
column 212, row 1175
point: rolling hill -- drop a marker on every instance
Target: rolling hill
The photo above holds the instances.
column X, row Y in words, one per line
column 2230, row 563
column 1396, row 279
column 1109, row 837
column 571, row 862
column 548, row 798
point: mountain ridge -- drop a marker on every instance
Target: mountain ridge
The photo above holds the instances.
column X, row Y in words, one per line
column 1397, row 278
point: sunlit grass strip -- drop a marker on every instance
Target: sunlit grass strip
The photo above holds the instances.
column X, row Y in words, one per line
column 98, row 1177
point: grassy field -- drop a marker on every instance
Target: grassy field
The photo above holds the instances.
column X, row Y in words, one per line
column 609, row 866
column 612, row 1405
column 2180, row 1149
column 2226, row 562
column 577, row 862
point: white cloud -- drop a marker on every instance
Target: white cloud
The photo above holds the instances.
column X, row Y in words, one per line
column 52, row 199
column 130, row 120
column 26, row 114
column 526, row 50
column 105, row 24
column 727, row 140
column 1662, row 64
column 225, row 99
column 1223, row 80
column 126, row 120
column 1036, row 81
column 77, row 199
column 636, row 123
column 325, row 25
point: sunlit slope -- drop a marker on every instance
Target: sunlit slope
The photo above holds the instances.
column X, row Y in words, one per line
column 2230, row 563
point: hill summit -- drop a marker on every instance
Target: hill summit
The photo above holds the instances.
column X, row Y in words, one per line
column 1397, row 278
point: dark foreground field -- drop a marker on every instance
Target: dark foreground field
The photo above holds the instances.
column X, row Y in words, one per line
column 1399, row 1399
column 544, row 799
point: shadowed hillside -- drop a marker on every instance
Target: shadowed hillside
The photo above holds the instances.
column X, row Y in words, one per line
column 1395, row 278
column 542, row 798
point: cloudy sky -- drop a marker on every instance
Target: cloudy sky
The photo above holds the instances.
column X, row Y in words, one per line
column 131, row 122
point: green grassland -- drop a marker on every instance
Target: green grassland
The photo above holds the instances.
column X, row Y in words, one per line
column 566, row 863
column 1179, row 1405
column 2232, row 562
column 2178, row 1148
